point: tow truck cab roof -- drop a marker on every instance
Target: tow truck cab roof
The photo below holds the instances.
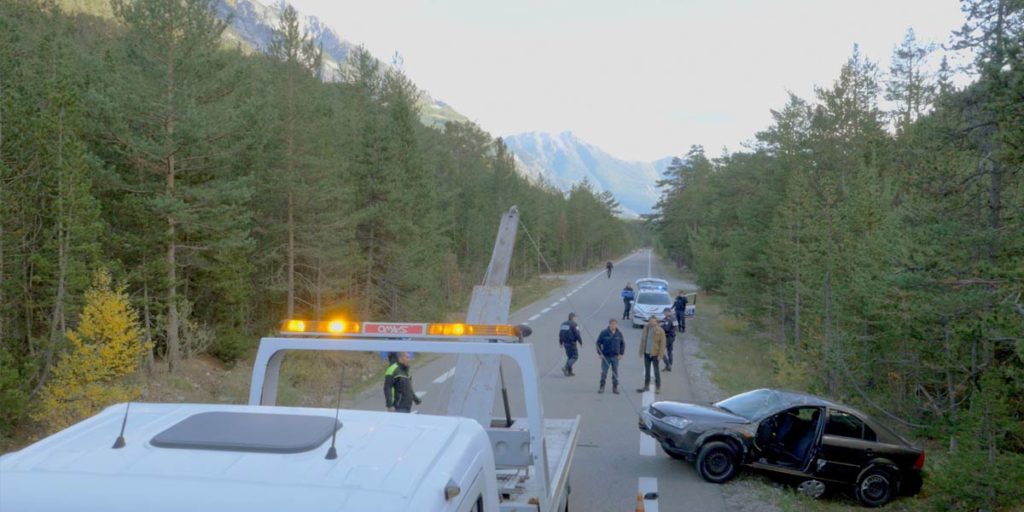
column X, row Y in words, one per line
column 385, row 462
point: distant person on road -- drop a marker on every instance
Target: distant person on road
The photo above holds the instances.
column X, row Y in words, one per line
column 668, row 325
column 680, row 306
column 568, row 337
column 609, row 266
column 400, row 396
column 652, row 348
column 627, row 300
column 610, row 347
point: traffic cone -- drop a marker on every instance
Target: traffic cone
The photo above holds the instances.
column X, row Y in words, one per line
column 639, row 502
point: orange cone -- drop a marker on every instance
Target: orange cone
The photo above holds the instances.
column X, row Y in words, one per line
column 639, row 502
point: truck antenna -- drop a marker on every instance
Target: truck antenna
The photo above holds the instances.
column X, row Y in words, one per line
column 119, row 442
column 332, row 452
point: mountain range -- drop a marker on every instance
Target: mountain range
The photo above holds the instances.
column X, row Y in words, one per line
column 561, row 160
column 564, row 160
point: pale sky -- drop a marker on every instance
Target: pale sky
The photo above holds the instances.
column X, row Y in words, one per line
column 640, row 79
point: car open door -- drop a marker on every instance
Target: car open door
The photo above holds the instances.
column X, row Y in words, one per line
column 846, row 446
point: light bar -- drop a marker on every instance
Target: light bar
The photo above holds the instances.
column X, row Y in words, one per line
column 397, row 329
column 471, row 330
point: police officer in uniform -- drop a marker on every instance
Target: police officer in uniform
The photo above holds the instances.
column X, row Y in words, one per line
column 568, row 337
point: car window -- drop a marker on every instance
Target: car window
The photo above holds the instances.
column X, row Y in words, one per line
column 844, row 424
column 657, row 299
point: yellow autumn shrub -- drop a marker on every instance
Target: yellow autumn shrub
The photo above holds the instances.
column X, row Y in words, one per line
column 104, row 355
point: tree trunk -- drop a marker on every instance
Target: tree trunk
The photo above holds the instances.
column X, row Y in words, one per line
column 950, row 386
column 173, row 328
column 57, row 313
column 290, row 177
column 995, row 208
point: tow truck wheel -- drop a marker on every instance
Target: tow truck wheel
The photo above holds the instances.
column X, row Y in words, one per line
column 716, row 462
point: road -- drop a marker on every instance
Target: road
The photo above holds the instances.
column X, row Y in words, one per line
column 614, row 461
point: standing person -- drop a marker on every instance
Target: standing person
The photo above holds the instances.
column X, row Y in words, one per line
column 652, row 348
column 627, row 300
column 610, row 347
column 401, row 395
column 568, row 337
column 669, row 327
column 389, row 379
column 609, row 266
column 680, row 306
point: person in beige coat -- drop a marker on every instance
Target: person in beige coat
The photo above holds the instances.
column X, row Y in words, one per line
column 652, row 348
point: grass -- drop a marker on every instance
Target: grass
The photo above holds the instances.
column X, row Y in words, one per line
column 534, row 289
column 739, row 357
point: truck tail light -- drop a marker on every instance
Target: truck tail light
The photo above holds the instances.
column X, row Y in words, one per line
column 919, row 463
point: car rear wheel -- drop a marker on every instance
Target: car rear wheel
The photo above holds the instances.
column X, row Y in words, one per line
column 717, row 462
column 874, row 488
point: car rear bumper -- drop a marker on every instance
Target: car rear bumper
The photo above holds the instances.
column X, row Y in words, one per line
column 911, row 483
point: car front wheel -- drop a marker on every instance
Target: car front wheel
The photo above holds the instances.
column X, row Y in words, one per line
column 874, row 488
column 717, row 462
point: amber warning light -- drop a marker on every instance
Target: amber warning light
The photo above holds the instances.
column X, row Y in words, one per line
column 395, row 328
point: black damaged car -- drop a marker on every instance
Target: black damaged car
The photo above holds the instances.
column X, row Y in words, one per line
column 816, row 443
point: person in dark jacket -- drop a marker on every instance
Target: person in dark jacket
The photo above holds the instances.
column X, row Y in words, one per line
column 627, row 300
column 609, row 266
column 610, row 347
column 680, row 306
column 669, row 327
column 401, row 395
column 568, row 337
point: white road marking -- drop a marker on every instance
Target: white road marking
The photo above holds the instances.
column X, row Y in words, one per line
column 648, row 484
column 647, row 445
column 445, row 376
column 649, row 253
column 534, row 317
column 554, row 304
column 545, row 310
column 561, row 300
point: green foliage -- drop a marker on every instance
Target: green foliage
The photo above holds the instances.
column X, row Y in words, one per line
column 105, row 352
column 229, row 190
column 887, row 267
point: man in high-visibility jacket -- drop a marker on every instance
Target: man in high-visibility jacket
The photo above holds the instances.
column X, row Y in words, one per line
column 400, row 396
column 389, row 378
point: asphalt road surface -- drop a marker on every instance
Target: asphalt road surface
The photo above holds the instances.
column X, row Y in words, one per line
column 614, row 461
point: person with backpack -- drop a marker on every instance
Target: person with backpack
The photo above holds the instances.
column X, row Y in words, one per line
column 568, row 337
column 627, row 300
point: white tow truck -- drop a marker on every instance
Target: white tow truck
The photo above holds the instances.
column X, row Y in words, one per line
column 263, row 457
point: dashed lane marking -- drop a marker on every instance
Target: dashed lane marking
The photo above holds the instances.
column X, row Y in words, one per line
column 534, row 317
column 645, row 485
column 647, row 445
column 445, row 376
column 545, row 310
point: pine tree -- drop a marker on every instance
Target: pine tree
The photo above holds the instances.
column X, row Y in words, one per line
column 909, row 84
column 177, row 132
